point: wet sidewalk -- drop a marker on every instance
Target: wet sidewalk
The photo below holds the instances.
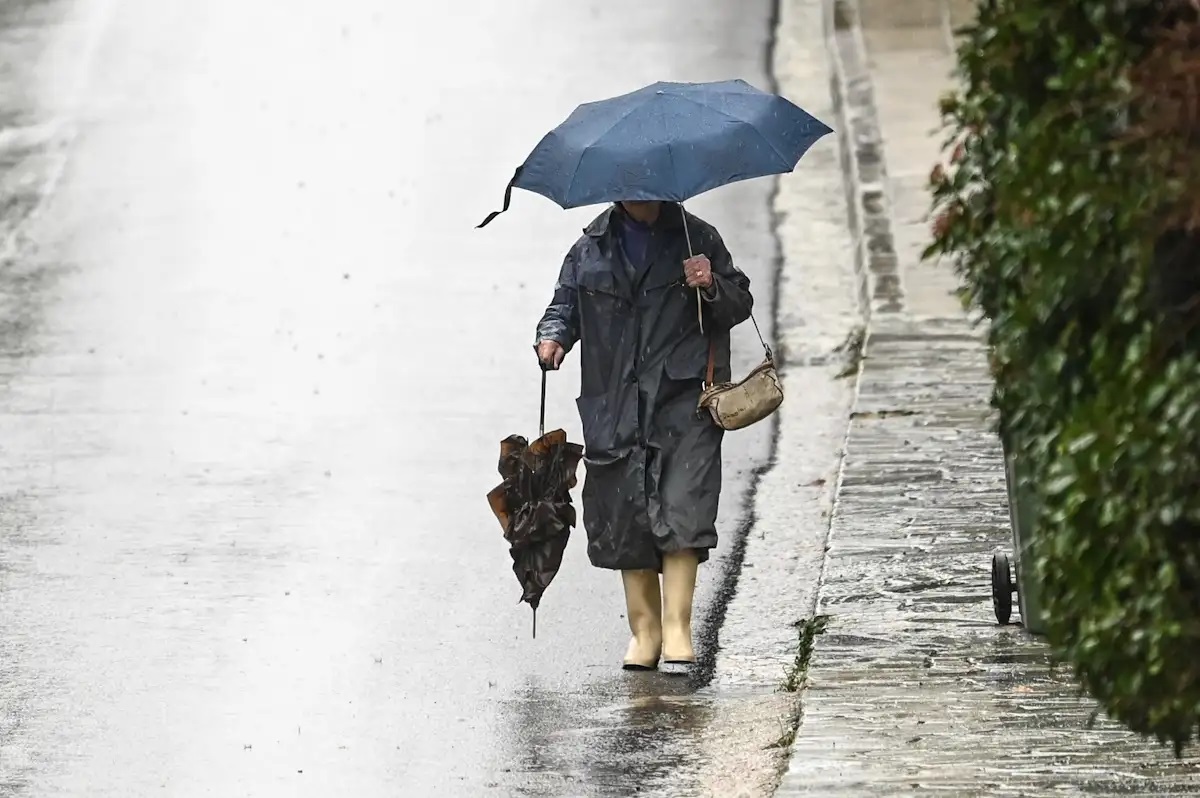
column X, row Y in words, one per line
column 914, row 689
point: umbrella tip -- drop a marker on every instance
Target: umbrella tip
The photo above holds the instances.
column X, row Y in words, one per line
column 535, row 623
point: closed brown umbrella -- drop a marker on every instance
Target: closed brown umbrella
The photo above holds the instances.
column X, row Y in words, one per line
column 533, row 504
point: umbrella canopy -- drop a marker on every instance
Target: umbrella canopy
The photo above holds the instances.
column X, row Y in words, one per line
column 667, row 141
column 533, row 506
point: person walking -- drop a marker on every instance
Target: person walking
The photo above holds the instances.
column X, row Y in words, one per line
column 627, row 293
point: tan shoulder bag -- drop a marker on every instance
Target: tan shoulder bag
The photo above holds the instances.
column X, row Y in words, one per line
column 734, row 405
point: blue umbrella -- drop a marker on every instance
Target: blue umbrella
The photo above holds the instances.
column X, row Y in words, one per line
column 667, row 141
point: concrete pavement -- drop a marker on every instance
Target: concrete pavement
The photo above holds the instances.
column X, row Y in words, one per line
column 913, row 689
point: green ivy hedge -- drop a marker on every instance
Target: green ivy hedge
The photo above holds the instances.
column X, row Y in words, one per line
column 1069, row 207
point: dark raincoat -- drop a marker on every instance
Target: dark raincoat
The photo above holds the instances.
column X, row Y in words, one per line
column 653, row 464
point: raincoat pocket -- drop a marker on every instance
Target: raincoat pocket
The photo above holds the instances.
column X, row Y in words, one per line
column 600, row 283
column 601, row 301
column 609, row 425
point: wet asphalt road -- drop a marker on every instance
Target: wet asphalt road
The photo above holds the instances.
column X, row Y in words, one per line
column 255, row 365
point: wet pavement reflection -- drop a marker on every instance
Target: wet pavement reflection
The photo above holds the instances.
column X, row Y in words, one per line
column 254, row 367
column 639, row 733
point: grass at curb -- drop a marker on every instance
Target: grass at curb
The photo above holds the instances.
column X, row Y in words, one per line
column 787, row 736
column 852, row 351
column 796, row 675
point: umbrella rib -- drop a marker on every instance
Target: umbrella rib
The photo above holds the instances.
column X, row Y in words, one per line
column 745, row 122
column 584, row 151
column 675, row 170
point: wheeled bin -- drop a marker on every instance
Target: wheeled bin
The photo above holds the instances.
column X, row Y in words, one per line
column 1015, row 575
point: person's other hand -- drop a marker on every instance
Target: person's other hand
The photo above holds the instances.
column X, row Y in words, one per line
column 551, row 354
column 698, row 271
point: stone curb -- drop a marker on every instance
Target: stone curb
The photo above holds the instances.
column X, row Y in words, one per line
column 861, row 142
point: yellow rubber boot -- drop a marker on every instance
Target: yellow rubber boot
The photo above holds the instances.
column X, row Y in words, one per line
column 643, row 607
column 679, row 586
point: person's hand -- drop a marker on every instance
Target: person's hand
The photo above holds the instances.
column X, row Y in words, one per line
column 698, row 271
column 551, row 354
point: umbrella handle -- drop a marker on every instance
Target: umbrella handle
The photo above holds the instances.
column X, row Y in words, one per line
column 542, row 412
column 699, row 300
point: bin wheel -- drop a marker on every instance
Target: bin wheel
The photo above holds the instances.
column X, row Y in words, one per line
column 1002, row 587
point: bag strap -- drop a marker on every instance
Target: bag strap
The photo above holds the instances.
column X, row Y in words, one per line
column 758, row 332
column 712, row 362
column 712, row 353
column 712, row 346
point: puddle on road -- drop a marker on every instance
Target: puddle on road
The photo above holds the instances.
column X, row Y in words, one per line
column 589, row 745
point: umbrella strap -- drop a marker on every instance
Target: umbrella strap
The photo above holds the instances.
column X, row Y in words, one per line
column 507, row 199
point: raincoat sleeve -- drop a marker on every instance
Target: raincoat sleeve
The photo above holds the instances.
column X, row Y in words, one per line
column 728, row 299
column 560, row 322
